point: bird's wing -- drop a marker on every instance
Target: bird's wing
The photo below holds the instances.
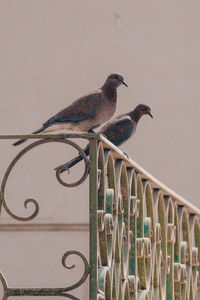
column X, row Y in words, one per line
column 82, row 109
column 119, row 130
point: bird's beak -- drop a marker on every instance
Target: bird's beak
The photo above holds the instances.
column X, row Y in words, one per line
column 150, row 114
column 124, row 83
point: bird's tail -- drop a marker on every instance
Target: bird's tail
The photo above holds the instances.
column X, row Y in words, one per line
column 35, row 132
column 72, row 162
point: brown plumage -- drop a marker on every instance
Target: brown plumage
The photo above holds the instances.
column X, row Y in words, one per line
column 87, row 112
column 117, row 131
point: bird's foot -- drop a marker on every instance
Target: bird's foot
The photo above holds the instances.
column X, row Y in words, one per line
column 91, row 131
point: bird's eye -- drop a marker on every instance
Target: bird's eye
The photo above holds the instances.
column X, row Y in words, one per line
column 116, row 77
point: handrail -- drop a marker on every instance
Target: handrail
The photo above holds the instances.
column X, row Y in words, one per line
column 156, row 183
column 144, row 237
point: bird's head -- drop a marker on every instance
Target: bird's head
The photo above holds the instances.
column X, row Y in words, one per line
column 144, row 110
column 139, row 111
column 115, row 80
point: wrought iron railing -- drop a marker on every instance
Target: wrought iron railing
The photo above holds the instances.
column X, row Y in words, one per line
column 144, row 238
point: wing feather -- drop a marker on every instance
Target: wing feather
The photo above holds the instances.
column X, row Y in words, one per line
column 119, row 130
column 82, row 109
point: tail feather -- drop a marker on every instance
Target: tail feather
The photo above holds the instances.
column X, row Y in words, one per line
column 72, row 162
column 19, row 142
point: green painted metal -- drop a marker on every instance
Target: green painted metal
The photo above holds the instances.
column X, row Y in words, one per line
column 93, row 218
column 144, row 238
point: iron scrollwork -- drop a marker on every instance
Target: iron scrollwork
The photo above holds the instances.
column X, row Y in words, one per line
column 148, row 240
column 33, row 201
column 63, row 292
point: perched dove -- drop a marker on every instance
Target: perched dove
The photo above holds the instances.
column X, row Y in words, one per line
column 117, row 131
column 87, row 112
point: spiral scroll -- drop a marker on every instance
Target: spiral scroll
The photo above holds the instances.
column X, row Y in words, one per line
column 63, row 292
column 33, row 201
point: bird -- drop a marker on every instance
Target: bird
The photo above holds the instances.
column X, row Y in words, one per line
column 117, row 131
column 87, row 112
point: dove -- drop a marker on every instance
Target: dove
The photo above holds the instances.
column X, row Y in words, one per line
column 87, row 112
column 117, row 131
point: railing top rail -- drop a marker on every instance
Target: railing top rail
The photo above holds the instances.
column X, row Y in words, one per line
column 50, row 136
column 118, row 154
column 154, row 181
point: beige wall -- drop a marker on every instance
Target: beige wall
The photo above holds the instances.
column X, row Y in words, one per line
column 52, row 51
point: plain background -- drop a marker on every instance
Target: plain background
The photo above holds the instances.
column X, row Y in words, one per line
column 53, row 51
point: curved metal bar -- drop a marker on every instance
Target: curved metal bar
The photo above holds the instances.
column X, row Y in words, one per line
column 33, row 201
column 86, row 265
column 86, row 171
column 8, row 292
column 3, row 281
column 69, row 296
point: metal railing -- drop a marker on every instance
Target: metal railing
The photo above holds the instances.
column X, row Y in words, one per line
column 144, row 238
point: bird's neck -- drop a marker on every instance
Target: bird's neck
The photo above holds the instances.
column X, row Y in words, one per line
column 109, row 92
column 135, row 115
